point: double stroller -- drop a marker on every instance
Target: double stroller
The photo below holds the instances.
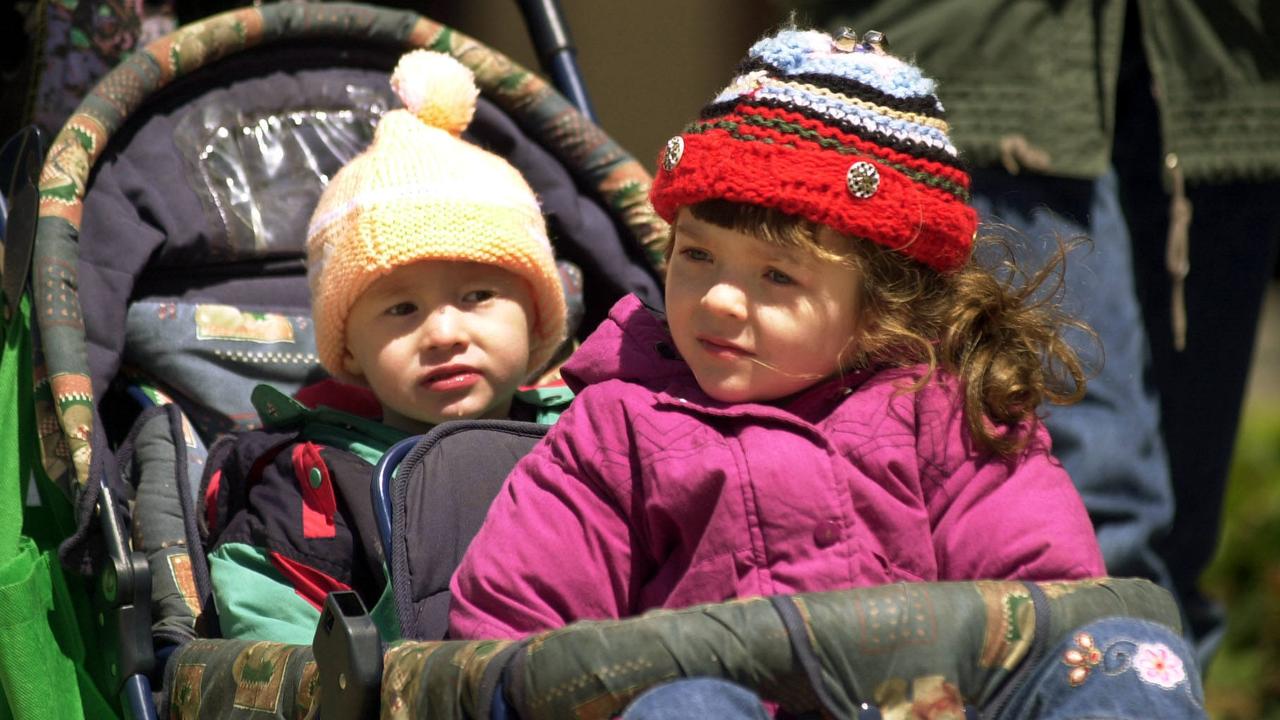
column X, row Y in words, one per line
column 167, row 281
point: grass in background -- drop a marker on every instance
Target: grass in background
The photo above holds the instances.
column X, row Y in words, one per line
column 1244, row 679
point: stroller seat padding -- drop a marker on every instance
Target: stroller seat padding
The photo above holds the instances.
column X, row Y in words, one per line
column 439, row 498
column 210, row 356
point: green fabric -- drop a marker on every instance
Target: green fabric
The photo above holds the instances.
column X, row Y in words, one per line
column 384, row 614
column 72, row 619
column 255, row 601
column 41, row 650
column 1033, row 84
column 365, row 438
column 548, row 402
column 31, row 663
column 15, row 430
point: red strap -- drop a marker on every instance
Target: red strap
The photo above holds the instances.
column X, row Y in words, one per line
column 211, row 500
column 310, row 584
column 318, row 503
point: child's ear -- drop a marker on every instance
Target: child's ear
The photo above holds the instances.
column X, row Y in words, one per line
column 351, row 368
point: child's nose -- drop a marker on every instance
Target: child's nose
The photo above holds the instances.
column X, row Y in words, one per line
column 444, row 328
column 726, row 299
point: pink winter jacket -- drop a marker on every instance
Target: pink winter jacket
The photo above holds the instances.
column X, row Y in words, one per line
column 647, row 493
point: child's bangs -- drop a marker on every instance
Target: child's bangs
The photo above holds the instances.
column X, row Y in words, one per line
column 768, row 224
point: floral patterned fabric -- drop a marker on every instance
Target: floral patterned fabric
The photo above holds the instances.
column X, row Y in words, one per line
column 82, row 41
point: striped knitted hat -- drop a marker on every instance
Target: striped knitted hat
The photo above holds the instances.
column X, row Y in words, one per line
column 833, row 130
column 420, row 192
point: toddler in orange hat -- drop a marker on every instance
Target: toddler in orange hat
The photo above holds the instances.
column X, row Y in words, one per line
column 432, row 278
column 434, row 286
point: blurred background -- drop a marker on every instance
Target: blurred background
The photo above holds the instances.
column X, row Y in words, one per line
column 649, row 66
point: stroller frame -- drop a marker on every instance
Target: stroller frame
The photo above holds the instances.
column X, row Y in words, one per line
column 79, row 461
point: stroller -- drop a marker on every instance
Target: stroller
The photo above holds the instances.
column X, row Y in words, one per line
column 167, row 281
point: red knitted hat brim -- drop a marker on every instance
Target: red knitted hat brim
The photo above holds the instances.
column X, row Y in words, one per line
column 927, row 224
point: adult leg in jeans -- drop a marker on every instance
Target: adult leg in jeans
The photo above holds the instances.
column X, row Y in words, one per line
column 696, row 698
column 1110, row 441
column 1113, row 668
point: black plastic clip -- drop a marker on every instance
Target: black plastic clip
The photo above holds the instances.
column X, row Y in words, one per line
column 122, row 600
column 348, row 654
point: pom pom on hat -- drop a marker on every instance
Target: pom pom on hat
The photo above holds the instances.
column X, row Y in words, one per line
column 436, row 88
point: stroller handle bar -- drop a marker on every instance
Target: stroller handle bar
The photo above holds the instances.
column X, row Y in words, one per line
column 556, row 52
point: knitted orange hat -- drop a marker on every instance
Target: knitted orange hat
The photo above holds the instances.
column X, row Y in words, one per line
column 420, row 192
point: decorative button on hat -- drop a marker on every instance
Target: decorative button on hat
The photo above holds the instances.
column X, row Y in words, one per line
column 675, row 150
column 846, row 41
column 876, row 41
column 834, row 130
column 862, row 179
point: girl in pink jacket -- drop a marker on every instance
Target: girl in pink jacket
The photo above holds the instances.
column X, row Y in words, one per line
column 837, row 395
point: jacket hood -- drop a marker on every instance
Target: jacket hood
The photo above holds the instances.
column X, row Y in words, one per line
column 632, row 344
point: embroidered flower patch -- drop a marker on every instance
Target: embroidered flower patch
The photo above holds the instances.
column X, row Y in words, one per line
column 1158, row 665
column 1081, row 659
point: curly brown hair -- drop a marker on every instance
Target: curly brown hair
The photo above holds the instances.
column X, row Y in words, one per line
column 998, row 330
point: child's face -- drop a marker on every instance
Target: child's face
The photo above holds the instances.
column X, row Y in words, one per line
column 757, row 322
column 440, row 341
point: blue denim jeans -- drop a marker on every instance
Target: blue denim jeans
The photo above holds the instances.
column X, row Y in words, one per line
column 1117, row 668
column 1150, row 444
column 1156, row 499
column 702, row 698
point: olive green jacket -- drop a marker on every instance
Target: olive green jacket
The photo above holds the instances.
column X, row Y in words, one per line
column 1032, row 83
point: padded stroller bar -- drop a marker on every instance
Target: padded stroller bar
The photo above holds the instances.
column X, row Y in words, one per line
column 888, row 645
column 829, row 651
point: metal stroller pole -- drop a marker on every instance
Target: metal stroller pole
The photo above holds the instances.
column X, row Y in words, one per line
column 556, row 52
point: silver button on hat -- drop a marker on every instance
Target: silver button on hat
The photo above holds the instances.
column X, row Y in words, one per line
column 862, row 179
column 675, row 151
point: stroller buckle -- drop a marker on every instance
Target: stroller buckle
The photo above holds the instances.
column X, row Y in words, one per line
column 348, row 654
